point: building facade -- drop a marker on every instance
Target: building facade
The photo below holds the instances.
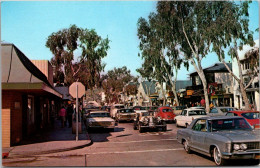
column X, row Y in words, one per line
column 27, row 96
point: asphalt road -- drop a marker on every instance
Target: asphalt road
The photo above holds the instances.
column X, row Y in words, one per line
column 126, row 147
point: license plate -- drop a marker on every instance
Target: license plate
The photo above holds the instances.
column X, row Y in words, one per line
column 257, row 156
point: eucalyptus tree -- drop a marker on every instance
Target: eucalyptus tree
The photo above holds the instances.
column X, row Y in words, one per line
column 159, row 51
column 66, row 42
column 201, row 27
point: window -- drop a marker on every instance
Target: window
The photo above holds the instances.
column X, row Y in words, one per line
column 166, row 110
column 231, row 114
column 200, row 125
column 251, row 115
column 191, row 113
column 214, row 110
column 184, row 112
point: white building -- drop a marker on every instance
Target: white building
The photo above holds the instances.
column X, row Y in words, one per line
column 253, row 90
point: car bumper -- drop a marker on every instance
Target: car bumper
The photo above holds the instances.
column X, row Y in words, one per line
column 242, row 155
column 153, row 126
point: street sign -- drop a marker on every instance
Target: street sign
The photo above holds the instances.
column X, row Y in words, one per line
column 73, row 89
column 77, row 90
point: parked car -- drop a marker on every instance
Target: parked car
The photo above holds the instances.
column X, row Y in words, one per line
column 187, row 115
column 216, row 111
column 252, row 117
column 100, row 119
column 114, row 108
column 165, row 113
column 147, row 120
column 125, row 115
column 139, row 109
column 221, row 137
column 178, row 109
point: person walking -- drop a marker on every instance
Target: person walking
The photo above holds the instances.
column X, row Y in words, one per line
column 62, row 114
column 69, row 114
column 202, row 102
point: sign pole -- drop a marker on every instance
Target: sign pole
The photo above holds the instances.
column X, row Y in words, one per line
column 77, row 116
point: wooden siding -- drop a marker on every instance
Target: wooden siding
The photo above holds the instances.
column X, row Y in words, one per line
column 6, row 128
column 9, row 98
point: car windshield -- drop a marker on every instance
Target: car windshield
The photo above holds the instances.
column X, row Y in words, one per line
column 251, row 115
column 99, row 115
column 119, row 107
column 145, row 114
column 126, row 111
column 154, row 108
column 167, row 110
column 197, row 112
column 229, row 124
column 139, row 108
column 227, row 109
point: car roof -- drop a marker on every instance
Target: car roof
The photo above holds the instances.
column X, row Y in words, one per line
column 219, row 117
column 194, row 109
column 223, row 107
column 243, row 111
column 99, row 111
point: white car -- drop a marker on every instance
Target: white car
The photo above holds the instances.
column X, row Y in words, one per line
column 100, row 119
column 187, row 115
column 114, row 109
column 218, row 111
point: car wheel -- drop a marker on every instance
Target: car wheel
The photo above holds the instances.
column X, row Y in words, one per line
column 186, row 147
column 135, row 127
column 141, row 129
column 186, row 125
column 164, row 128
column 217, row 157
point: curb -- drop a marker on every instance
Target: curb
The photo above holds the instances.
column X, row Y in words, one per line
column 52, row 151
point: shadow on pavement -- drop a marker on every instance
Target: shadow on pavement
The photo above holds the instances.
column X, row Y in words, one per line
column 101, row 135
column 57, row 133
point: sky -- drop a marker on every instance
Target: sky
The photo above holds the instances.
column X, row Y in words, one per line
column 27, row 24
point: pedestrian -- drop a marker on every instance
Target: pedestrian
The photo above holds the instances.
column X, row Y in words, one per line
column 62, row 114
column 52, row 114
column 211, row 105
column 69, row 114
column 198, row 104
column 202, row 102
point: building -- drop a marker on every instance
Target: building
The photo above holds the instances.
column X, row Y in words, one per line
column 146, row 93
column 27, row 96
column 253, row 90
column 220, row 86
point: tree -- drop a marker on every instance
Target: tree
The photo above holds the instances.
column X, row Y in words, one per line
column 93, row 48
column 161, row 58
column 114, row 83
column 201, row 27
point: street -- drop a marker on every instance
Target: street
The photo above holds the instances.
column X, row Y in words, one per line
column 124, row 147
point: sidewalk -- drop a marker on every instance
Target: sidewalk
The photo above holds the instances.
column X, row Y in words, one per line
column 55, row 140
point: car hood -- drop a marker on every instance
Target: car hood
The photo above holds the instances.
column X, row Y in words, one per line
column 240, row 135
column 100, row 119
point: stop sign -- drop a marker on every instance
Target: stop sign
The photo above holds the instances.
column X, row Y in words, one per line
column 77, row 87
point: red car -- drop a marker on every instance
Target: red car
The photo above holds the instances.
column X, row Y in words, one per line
column 165, row 113
column 252, row 117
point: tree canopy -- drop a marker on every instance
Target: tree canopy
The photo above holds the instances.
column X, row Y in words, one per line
column 65, row 43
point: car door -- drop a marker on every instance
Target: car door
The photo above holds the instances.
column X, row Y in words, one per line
column 198, row 135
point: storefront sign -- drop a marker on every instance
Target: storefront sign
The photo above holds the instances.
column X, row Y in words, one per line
column 190, row 92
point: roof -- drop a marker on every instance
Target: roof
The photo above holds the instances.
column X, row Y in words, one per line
column 18, row 72
column 149, row 86
column 219, row 117
column 181, row 84
column 217, row 67
column 99, row 112
column 64, row 90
